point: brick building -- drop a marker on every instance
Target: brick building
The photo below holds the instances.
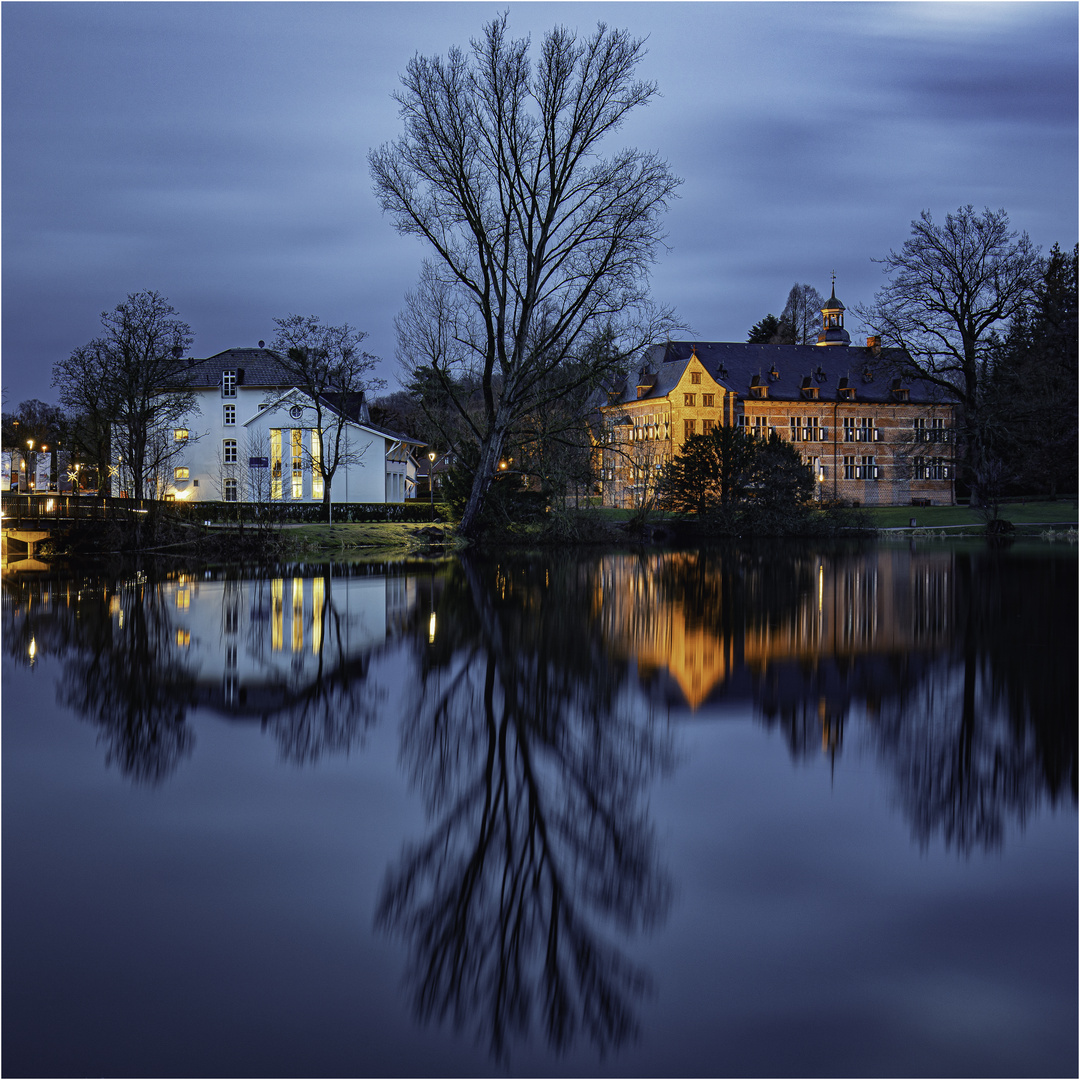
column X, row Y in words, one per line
column 869, row 435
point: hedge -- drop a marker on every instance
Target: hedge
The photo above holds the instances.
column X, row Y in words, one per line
column 305, row 513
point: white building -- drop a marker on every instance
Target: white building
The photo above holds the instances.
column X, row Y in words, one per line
column 252, row 437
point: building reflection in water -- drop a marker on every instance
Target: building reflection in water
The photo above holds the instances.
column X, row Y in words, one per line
column 524, row 729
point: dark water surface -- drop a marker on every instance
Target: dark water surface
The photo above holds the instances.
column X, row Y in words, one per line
column 776, row 811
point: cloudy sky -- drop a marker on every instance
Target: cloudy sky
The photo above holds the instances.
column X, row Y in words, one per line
column 217, row 152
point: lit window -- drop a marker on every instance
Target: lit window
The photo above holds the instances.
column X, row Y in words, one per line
column 297, row 464
column 228, row 383
column 228, row 451
column 181, row 472
column 228, row 415
column 180, row 434
column 316, row 465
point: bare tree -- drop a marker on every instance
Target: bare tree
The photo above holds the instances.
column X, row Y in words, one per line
column 499, row 172
column 335, row 373
column 132, row 383
column 800, row 321
column 951, row 286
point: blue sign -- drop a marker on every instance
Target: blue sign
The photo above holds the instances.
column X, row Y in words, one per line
column 258, row 463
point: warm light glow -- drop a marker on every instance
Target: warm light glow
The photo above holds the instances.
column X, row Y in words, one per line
column 431, row 628
column 431, row 457
column 32, row 650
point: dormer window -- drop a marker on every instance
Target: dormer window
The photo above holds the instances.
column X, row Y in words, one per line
column 228, row 383
column 808, row 390
column 845, row 391
column 898, row 392
column 757, row 389
column 773, row 374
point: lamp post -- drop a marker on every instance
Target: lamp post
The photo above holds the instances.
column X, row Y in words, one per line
column 30, row 465
column 431, row 481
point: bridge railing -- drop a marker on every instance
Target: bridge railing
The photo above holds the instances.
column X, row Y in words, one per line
column 20, row 510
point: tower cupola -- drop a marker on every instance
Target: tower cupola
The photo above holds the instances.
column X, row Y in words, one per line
column 832, row 322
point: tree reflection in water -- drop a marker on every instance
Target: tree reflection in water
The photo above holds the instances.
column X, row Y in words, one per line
column 987, row 731
column 961, row 664
column 534, row 761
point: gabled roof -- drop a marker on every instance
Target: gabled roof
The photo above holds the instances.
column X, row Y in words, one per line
column 781, row 368
column 260, row 367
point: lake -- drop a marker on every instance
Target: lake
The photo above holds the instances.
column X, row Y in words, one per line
column 775, row 810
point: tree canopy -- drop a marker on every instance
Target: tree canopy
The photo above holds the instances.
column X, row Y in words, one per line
column 539, row 243
column 949, row 287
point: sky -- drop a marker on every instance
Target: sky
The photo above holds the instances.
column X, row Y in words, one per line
column 217, row 153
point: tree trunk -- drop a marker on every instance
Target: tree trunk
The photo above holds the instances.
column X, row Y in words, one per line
column 490, row 453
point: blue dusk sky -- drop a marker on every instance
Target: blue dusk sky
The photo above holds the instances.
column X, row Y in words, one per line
column 217, row 153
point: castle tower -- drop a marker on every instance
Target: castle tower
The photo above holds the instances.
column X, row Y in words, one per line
column 832, row 315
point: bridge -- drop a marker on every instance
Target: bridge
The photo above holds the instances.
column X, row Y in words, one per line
column 29, row 519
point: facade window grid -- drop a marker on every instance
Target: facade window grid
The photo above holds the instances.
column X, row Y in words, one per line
column 228, row 383
column 228, row 415
column 228, row 451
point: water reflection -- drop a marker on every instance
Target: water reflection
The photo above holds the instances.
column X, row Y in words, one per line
column 535, row 763
column 534, row 698
column 958, row 666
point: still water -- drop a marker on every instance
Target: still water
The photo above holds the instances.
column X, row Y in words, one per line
column 776, row 811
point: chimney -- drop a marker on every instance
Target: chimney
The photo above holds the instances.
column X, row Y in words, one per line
column 874, row 344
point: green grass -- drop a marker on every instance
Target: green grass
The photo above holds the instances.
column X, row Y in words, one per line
column 1062, row 512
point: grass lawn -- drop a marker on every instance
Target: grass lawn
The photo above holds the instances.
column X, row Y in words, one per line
column 1062, row 513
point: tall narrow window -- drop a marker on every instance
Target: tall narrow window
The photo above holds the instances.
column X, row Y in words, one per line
column 849, row 429
column 812, row 429
column 316, row 465
column 796, row 429
column 688, row 429
column 297, row 463
column 228, row 383
column 275, row 463
column 849, row 467
column 230, row 489
column 228, row 415
column 228, row 451
column 707, row 426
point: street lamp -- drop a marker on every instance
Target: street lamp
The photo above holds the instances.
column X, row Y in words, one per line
column 30, row 465
column 431, row 481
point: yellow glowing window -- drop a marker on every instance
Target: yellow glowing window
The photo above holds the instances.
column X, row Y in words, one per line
column 316, row 465
column 296, row 441
column 181, row 472
column 183, row 598
column 183, row 638
column 275, row 463
column 180, row 434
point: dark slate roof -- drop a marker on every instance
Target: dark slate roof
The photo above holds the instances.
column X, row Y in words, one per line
column 734, row 364
column 260, row 367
